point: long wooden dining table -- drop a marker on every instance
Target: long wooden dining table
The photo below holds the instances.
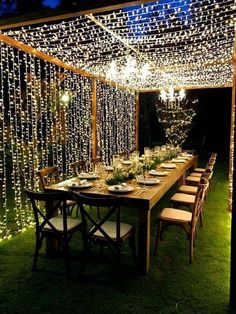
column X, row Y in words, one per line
column 143, row 200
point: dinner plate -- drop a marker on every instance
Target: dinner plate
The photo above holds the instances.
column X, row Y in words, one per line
column 149, row 181
column 168, row 166
column 120, row 188
column 79, row 185
column 88, row 175
column 127, row 162
column 158, row 173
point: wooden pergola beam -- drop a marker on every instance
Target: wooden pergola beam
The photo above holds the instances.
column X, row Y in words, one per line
column 137, row 101
column 186, row 88
column 232, row 189
column 94, row 118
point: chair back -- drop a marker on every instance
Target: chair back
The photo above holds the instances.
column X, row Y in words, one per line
column 207, row 174
column 48, row 176
column 42, row 215
column 112, row 205
column 199, row 199
column 77, row 167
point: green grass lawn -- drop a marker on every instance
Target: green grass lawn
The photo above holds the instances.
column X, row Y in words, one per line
column 172, row 286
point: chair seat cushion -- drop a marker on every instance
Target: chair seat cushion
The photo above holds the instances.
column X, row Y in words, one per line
column 188, row 189
column 183, row 198
column 177, row 215
column 193, row 180
column 199, row 170
column 196, row 174
column 57, row 222
column 110, row 228
column 71, row 203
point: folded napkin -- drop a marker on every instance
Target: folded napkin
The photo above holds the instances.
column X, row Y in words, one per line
column 120, row 186
column 178, row 160
column 168, row 165
column 153, row 171
column 81, row 183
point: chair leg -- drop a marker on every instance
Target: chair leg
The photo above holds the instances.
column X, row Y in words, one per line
column 133, row 247
column 119, row 270
column 67, row 257
column 191, row 242
column 157, row 237
column 36, row 253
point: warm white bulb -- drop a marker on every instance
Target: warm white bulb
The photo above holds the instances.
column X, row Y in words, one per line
column 182, row 94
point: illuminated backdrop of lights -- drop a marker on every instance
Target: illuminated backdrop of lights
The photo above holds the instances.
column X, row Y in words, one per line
column 178, row 43
column 183, row 43
column 45, row 120
column 36, row 129
column 116, row 116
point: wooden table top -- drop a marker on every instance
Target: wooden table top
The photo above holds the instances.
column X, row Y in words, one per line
column 138, row 197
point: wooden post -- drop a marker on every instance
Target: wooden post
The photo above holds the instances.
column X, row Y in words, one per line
column 137, row 121
column 232, row 192
column 94, row 118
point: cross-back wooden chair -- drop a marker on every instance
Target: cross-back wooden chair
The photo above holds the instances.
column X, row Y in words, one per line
column 210, row 164
column 49, row 224
column 77, row 167
column 183, row 218
column 186, row 195
column 105, row 232
column 49, row 176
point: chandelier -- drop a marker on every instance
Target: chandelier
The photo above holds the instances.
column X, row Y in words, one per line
column 129, row 69
column 171, row 98
column 175, row 113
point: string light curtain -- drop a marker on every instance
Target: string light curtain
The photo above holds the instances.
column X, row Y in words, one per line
column 185, row 43
column 116, row 116
column 37, row 129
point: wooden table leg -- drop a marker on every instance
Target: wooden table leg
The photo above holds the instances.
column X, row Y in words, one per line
column 144, row 241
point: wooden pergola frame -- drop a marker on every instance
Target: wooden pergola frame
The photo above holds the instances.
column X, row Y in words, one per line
column 232, row 174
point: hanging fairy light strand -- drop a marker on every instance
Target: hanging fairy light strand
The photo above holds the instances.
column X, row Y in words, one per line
column 188, row 42
column 115, row 121
column 35, row 127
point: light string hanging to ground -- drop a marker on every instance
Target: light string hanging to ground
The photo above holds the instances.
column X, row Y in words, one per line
column 35, row 129
column 116, row 115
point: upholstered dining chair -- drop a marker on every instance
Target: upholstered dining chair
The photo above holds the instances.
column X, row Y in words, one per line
column 183, row 218
column 49, row 176
column 188, row 199
column 194, row 180
column 49, row 224
column 107, row 231
column 210, row 164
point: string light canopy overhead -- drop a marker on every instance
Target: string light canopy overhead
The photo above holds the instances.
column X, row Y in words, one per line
column 179, row 43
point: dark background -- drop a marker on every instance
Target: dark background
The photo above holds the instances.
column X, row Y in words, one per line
column 211, row 125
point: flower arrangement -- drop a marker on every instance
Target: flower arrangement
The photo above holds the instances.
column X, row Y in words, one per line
column 147, row 163
column 120, row 175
